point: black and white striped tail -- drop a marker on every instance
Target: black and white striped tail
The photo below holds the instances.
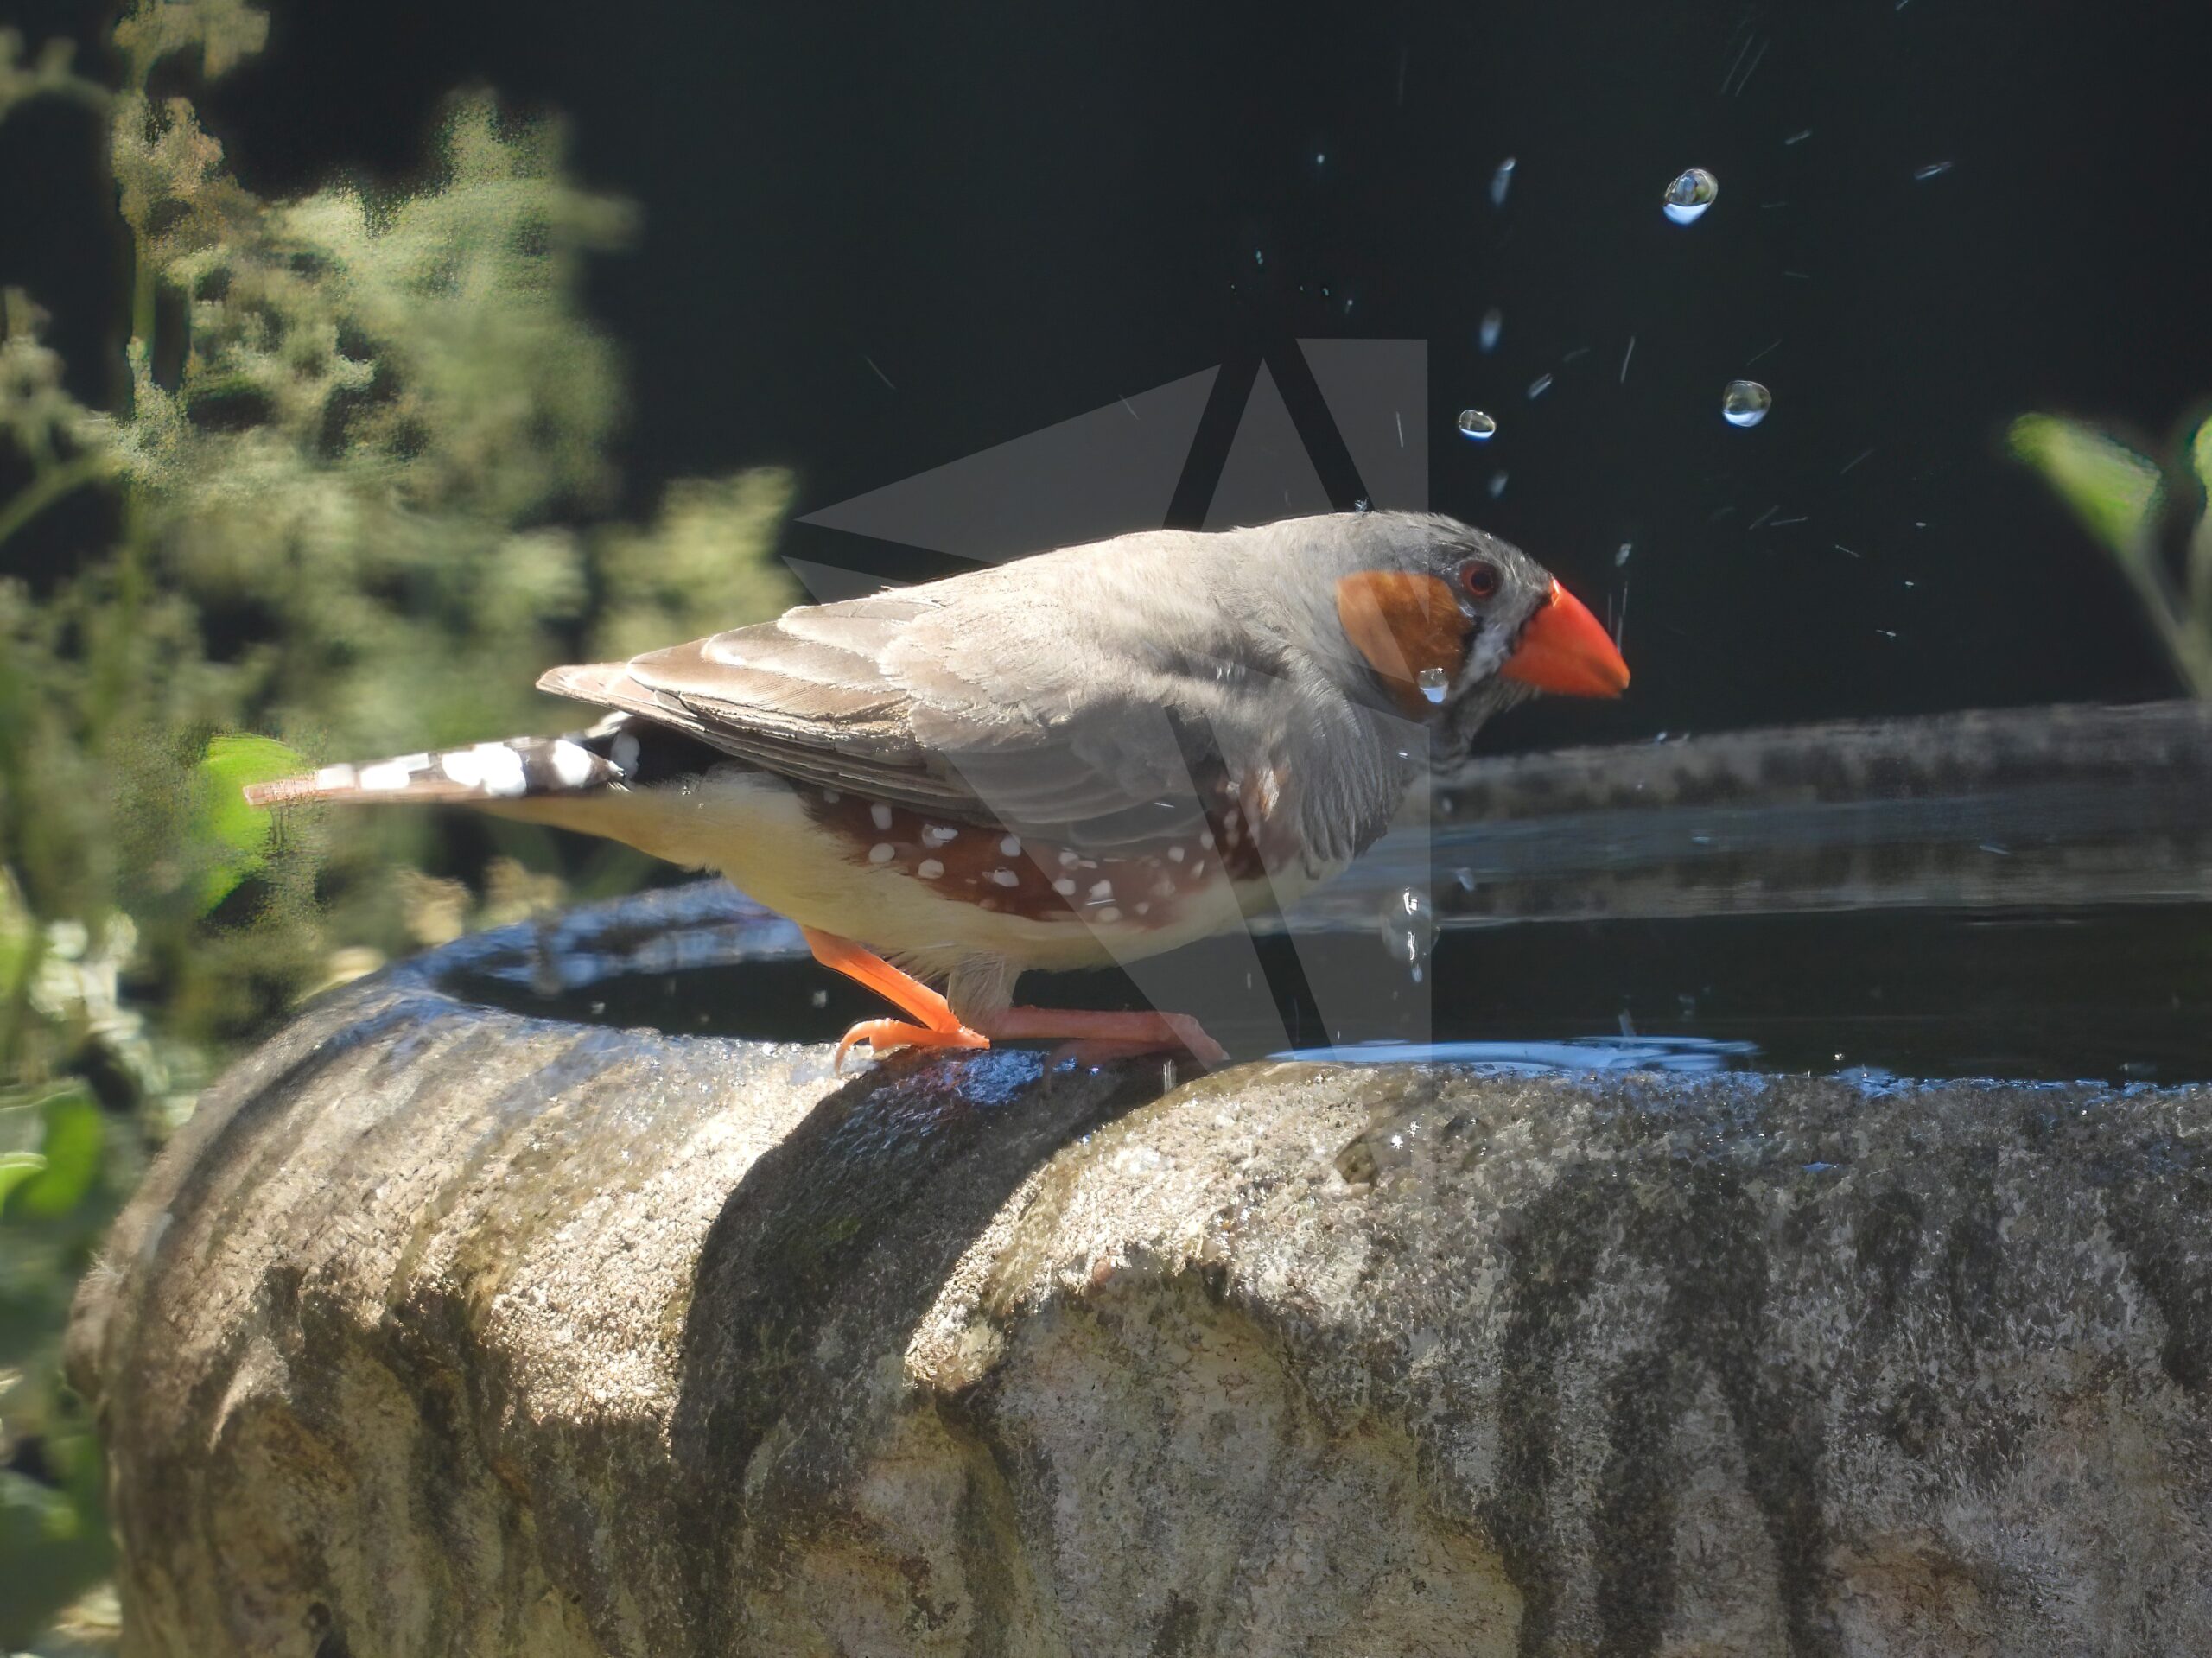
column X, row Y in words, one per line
column 611, row 755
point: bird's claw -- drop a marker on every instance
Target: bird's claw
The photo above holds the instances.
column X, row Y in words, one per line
column 884, row 1034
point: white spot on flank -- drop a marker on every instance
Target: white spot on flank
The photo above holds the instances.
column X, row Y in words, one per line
column 626, row 752
column 1206, row 839
column 1198, row 869
column 1004, row 878
column 1144, row 908
column 1109, row 913
column 1011, row 846
column 881, row 852
column 880, row 814
column 830, row 796
column 1067, row 858
column 571, row 765
column 1064, row 887
column 938, row 835
column 502, row 769
column 389, row 775
column 1104, row 889
column 928, row 869
column 1163, row 887
column 1175, row 855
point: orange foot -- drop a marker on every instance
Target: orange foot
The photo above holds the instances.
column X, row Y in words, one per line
column 938, row 1027
column 1107, row 1036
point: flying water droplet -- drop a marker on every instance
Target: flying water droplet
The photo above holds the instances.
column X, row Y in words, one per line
column 1434, row 683
column 1496, row 484
column 1538, row 386
column 1745, row 402
column 1933, row 170
column 1501, row 181
column 1493, row 324
column 1477, row 425
column 1690, row 194
column 1408, row 926
column 1621, row 558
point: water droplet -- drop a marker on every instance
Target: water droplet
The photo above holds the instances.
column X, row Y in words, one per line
column 1496, row 484
column 1408, row 926
column 1434, row 683
column 1493, row 324
column 1501, row 181
column 1690, row 194
column 1361, row 504
column 1538, row 386
column 1621, row 558
column 1477, row 425
column 1745, row 402
column 1934, row 170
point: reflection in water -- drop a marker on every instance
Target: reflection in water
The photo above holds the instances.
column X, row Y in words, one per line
column 1576, row 1055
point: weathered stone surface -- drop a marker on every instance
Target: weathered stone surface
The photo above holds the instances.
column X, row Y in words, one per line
column 445, row 1332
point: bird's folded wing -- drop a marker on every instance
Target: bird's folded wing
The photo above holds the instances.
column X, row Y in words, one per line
column 882, row 696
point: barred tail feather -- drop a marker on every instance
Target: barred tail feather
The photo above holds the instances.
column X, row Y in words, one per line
column 606, row 756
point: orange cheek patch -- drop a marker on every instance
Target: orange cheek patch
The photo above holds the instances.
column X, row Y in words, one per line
column 1403, row 623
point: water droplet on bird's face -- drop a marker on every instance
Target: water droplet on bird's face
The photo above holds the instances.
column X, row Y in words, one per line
column 1408, row 926
column 1493, row 324
column 1477, row 425
column 1433, row 683
column 1690, row 194
column 1745, row 402
column 1501, row 181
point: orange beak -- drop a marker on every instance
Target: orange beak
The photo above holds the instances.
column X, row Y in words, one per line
column 1564, row 650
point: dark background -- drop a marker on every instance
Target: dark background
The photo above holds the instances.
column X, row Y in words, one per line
column 1020, row 213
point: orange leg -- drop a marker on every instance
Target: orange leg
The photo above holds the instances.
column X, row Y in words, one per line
column 1107, row 1035
column 937, row 1028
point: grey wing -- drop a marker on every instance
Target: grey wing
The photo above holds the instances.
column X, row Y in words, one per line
column 976, row 706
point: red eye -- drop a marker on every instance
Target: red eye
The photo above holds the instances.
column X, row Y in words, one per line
column 1480, row 578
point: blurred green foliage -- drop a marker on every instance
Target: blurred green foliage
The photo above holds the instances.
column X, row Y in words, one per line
column 2121, row 497
column 357, row 477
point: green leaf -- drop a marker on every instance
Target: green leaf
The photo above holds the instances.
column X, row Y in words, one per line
column 2199, row 456
column 2115, row 492
column 72, row 1148
column 16, row 1167
column 234, row 835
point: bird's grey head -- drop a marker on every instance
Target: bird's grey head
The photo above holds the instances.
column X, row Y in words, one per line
column 1444, row 623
